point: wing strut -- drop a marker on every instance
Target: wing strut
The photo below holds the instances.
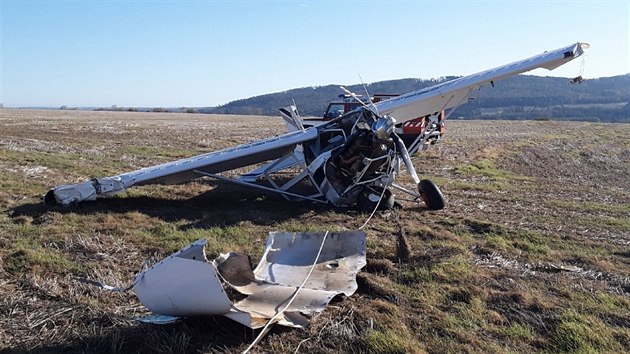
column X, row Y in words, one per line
column 268, row 189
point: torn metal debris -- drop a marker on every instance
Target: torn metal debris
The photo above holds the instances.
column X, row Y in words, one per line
column 289, row 273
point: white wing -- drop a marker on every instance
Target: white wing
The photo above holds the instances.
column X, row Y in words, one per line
column 453, row 93
column 182, row 170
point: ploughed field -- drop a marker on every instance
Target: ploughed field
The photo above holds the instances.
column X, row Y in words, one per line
column 532, row 252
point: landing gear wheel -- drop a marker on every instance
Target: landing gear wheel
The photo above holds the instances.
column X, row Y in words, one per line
column 431, row 195
column 369, row 198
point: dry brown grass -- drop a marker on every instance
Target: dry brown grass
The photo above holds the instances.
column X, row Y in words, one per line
column 525, row 201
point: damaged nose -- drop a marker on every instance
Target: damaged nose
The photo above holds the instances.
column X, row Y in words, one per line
column 384, row 127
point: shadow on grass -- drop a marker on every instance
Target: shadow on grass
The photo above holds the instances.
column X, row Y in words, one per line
column 224, row 205
column 199, row 334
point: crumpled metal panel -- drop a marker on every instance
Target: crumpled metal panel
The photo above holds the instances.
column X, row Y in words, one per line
column 74, row 193
column 288, row 257
column 286, row 262
column 186, row 284
column 269, row 299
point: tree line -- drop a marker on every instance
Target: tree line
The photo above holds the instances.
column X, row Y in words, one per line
column 519, row 97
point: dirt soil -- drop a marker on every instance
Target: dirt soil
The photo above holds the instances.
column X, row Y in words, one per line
column 532, row 252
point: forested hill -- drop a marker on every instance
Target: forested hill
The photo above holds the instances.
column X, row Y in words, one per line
column 520, row 97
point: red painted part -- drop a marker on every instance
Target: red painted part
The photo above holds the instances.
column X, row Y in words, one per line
column 414, row 126
column 382, row 97
column 417, row 125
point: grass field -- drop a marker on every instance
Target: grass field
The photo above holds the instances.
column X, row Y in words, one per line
column 532, row 252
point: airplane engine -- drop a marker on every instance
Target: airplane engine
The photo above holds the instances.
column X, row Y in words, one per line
column 358, row 172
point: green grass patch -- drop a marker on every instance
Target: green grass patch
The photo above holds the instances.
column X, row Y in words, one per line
column 525, row 243
column 488, row 168
column 576, row 332
column 296, row 225
column 23, row 260
column 169, row 238
column 386, row 341
column 605, row 222
column 600, row 303
column 451, row 270
column 13, row 183
column 532, row 242
column 517, row 331
column 36, row 158
column 498, row 243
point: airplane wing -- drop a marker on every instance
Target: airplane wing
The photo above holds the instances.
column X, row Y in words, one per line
column 182, row 170
column 455, row 92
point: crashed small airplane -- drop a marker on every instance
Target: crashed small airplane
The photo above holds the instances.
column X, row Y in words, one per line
column 350, row 161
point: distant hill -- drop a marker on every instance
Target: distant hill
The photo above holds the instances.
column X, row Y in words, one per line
column 519, row 97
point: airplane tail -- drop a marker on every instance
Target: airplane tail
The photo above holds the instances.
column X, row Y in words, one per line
column 291, row 118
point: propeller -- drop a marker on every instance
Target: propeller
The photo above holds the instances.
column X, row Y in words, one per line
column 371, row 107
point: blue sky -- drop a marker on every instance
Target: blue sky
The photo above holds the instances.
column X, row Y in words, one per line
column 205, row 53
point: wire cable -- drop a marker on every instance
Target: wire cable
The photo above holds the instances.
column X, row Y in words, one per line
column 273, row 319
column 390, row 168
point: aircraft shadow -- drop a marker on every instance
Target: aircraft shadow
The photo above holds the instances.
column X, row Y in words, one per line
column 224, row 205
column 189, row 335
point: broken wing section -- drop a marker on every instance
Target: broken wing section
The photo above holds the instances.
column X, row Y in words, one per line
column 181, row 170
column 455, row 92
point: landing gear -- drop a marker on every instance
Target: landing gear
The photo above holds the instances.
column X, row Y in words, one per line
column 431, row 195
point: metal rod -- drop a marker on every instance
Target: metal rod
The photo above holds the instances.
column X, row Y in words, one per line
column 405, row 190
column 406, row 158
column 226, row 179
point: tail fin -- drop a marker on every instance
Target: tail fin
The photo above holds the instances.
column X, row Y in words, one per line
column 291, row 118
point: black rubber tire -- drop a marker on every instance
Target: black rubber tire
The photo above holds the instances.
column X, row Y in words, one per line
column 431, row 195
column 366, row 205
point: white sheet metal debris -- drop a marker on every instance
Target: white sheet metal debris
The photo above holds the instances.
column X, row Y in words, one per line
column 173, row 286
column 187, row 284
